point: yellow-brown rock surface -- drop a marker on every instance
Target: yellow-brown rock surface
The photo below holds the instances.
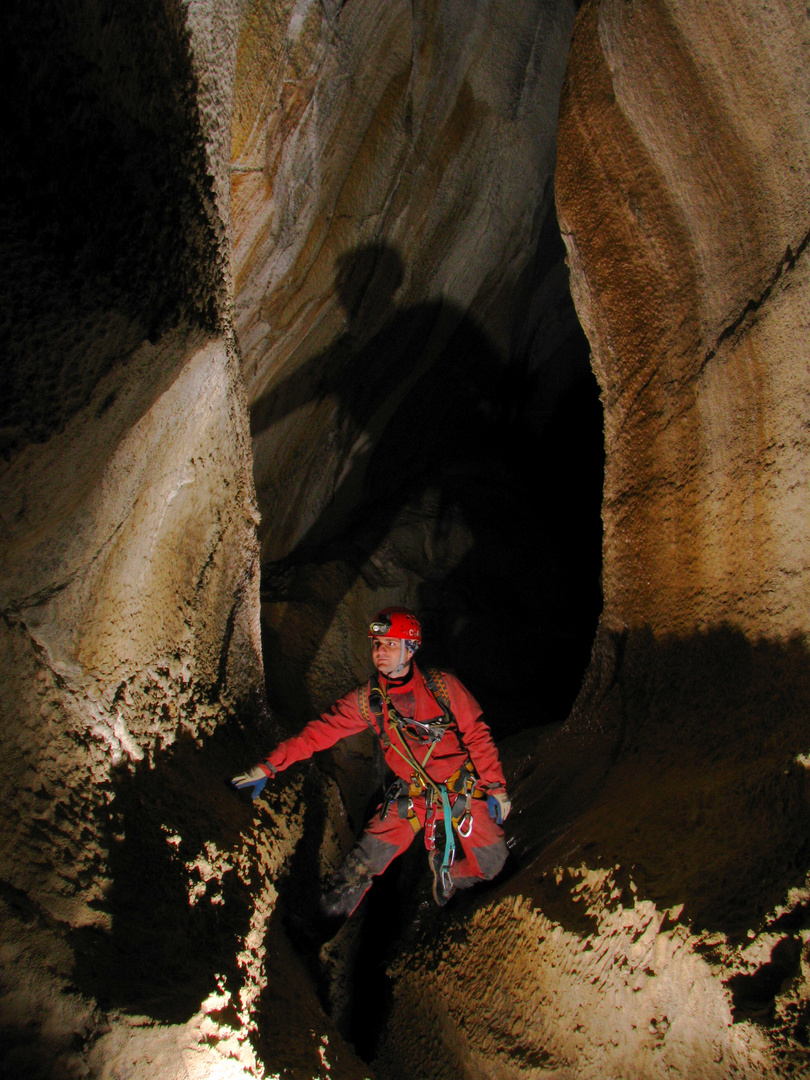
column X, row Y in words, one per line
column 682, row 184
column 128, row 557
column 427, row 130
column 211, row 208
column 676, row 797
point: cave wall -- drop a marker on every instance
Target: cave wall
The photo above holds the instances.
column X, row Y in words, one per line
column 425, row 130
column 129, row 558
column 129, row 572
column 656, row 922
column 654, row 916
column 682, row 195
column 401, row 299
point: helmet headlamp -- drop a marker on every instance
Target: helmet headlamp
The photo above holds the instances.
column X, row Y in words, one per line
column 397, row 622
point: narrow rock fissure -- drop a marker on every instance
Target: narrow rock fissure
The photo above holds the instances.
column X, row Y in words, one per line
column 524, row 502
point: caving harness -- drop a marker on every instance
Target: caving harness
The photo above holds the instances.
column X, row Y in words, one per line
column 376, row 707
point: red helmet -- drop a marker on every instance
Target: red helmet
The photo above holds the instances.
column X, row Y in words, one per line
column 396, row 622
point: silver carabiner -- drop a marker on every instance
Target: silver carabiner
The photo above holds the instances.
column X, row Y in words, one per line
column 460, row 830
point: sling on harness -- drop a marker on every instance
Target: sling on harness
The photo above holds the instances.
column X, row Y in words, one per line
column 372, row 699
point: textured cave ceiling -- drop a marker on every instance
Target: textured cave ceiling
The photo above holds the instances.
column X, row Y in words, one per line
column 292, row 296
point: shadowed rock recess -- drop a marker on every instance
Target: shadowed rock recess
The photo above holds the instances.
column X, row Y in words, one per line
column 495, row 308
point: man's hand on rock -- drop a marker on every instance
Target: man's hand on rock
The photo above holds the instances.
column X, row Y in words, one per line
column 253, row 781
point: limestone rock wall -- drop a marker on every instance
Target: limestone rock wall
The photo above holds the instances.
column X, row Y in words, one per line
column 121, row 591
column 682, row 190
column 129, row 571
column 128, row 549
column 388, row 161
column 632, row 997
column 656, row 921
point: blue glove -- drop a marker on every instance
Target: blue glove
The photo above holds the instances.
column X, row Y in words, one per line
column 499, row 806
column 255, row 780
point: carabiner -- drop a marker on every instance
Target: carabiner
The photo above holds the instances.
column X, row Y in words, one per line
column 460, row 827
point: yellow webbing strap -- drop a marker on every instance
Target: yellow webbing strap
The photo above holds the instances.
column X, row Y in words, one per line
column 364, row 693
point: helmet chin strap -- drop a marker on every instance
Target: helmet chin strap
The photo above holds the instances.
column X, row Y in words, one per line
column 404, row 660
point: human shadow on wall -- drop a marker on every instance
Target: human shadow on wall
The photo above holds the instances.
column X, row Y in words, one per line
column 448, row 487
column 443, row 481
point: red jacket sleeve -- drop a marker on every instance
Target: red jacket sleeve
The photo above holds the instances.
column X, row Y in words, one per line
column 342, row 719
column 475, row 734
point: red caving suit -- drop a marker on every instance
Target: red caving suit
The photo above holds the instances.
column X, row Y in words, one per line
column 385, row 838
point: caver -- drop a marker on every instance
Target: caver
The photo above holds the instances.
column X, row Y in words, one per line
column 448, row 779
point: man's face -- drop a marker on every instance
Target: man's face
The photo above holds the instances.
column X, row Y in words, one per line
column 386, row 654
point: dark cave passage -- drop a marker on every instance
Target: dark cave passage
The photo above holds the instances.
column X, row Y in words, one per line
column 477, row 496
column 477, row 500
